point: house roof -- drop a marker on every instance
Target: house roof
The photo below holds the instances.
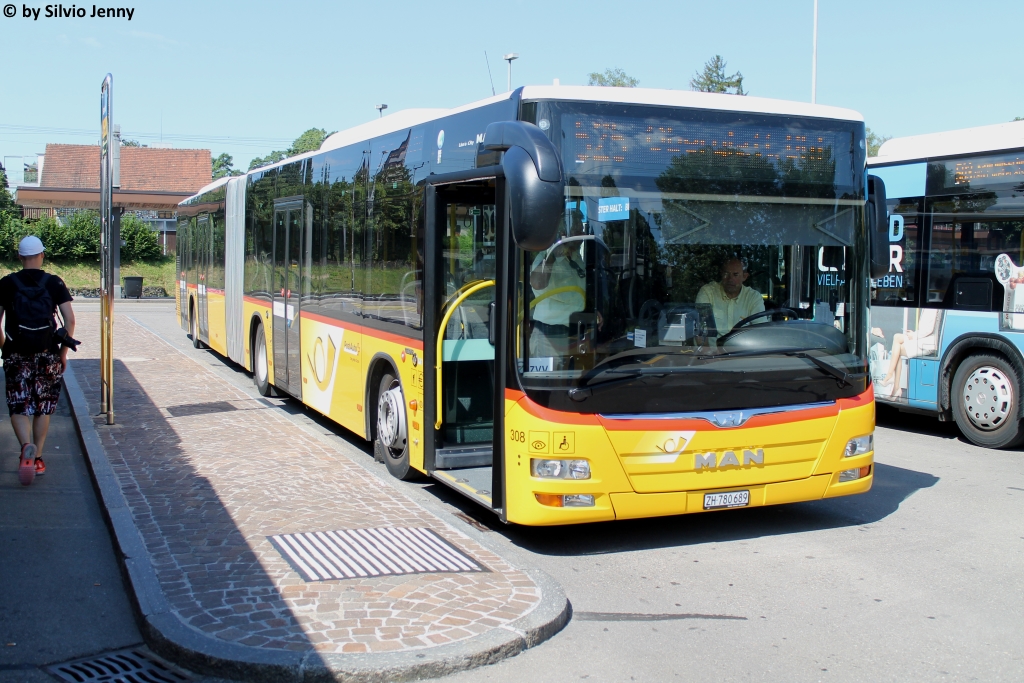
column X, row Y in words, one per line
column 146, row 169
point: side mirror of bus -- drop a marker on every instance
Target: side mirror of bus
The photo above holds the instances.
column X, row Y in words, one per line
column 878, row 227
column 534, row 181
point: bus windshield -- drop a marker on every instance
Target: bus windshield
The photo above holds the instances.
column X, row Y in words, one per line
column 706, row 261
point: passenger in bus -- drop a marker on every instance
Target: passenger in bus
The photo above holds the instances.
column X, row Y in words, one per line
column 730, row 299
column 560, row 274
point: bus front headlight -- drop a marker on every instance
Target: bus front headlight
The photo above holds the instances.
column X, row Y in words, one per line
column 560, row 469
column 859, row 446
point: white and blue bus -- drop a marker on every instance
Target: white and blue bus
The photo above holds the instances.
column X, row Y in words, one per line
column 947, row 318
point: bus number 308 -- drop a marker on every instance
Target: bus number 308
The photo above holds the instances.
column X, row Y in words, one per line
column 518, row 436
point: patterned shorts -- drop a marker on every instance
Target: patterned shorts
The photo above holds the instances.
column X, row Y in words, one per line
column 33, row 383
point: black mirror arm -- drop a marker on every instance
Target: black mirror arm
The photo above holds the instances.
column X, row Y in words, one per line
column 500, row 136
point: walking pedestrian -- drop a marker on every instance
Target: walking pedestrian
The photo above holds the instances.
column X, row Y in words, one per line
column 35, row 351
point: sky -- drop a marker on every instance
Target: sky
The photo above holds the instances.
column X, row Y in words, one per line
column 247, row 78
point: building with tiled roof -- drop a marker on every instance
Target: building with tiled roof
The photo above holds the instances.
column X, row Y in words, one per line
column 152, row 181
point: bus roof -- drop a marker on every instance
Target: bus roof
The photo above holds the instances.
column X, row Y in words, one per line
column 407, row 118
column 951, row 143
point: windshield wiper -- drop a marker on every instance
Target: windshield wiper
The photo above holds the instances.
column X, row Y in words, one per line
column 841, row 376
column 584, row 391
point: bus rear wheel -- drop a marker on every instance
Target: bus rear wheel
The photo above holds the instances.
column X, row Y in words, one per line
column 260, row 366
column 193, row 328
column 391, row 444
column 986, row 400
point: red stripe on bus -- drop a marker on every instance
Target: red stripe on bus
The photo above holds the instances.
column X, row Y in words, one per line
column 857, row 401
column 556, row 416
column 362, row 329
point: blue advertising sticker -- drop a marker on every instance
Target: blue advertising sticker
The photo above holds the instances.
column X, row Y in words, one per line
column 613, row 208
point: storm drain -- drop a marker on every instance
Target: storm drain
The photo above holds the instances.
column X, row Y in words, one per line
column 124, row 666
column 386, row 551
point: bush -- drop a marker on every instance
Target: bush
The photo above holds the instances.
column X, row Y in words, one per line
column 140, row 241
column 78, row 238
column 12, row 229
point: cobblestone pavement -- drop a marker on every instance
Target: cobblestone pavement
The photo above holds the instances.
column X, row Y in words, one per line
column 209, row 473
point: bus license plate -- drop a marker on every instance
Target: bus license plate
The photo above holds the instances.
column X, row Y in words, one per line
column 732, row 499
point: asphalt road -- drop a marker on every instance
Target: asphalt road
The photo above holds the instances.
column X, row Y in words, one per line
column 920, row 579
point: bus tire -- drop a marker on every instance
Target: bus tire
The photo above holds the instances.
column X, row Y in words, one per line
column 193, row 326
column 260, row 366
column 391, row 443
column 986, row 400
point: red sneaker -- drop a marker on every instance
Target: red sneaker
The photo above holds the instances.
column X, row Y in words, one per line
column 40, row 467
column 27, row 468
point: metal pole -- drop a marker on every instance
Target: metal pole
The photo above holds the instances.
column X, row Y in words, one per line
column 107, row 245
column 814, row 58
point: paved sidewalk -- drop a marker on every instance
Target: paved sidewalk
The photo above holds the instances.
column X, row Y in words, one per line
column 197, row 475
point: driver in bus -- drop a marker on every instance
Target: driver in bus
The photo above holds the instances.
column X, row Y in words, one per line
column 730, row 299
column 559, row 268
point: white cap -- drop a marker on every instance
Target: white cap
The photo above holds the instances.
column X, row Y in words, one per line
column 30, row 246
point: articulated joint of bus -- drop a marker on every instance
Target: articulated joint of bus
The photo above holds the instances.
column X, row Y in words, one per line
column 564, row 469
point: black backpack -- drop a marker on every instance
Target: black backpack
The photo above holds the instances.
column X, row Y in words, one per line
column 33, row 312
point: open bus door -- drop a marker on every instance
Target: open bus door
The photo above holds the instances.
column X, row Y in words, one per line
column 474, row 221
column 465, row 337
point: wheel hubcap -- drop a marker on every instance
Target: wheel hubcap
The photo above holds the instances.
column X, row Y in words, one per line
column 391, row 419
column 988, row 398
column 261, row 361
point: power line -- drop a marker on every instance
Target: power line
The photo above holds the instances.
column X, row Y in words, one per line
column 128, row 134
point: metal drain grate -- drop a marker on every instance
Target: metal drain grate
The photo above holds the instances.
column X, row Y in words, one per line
column 351, row 553
column 124, row 666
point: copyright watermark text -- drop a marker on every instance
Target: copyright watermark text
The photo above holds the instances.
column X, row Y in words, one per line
column 61, row 11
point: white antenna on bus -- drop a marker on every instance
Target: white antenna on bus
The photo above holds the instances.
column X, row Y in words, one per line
column 814, row 58
column 489, row 72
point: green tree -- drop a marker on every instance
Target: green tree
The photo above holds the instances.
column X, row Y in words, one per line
column 616, row 78
column 307, row 142
column 271, row 158
column 875, row 141
column 130, row 143
column 713, row 78
column 6, row 201
column 223, row 165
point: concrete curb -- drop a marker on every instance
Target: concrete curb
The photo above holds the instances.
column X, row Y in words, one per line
column 170, row 637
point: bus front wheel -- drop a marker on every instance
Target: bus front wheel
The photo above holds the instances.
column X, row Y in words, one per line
column 260, row 366
column 985, row 396
column 193, row 328
column 392, row 442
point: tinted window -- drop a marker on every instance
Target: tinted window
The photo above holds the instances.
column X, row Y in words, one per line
column 394, row 285
column 344, row 240
column 259, row 233
column 899, row 286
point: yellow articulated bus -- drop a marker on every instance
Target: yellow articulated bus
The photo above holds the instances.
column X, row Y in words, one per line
column 569, row 304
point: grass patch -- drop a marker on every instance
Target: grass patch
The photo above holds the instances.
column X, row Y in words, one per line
column 86, row 274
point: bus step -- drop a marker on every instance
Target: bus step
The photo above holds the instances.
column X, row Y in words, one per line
column 473, row 482
column 463, row 456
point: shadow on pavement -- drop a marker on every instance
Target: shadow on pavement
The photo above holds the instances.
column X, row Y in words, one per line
column 916, row 423
column 206, row 571
column 892, row 486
